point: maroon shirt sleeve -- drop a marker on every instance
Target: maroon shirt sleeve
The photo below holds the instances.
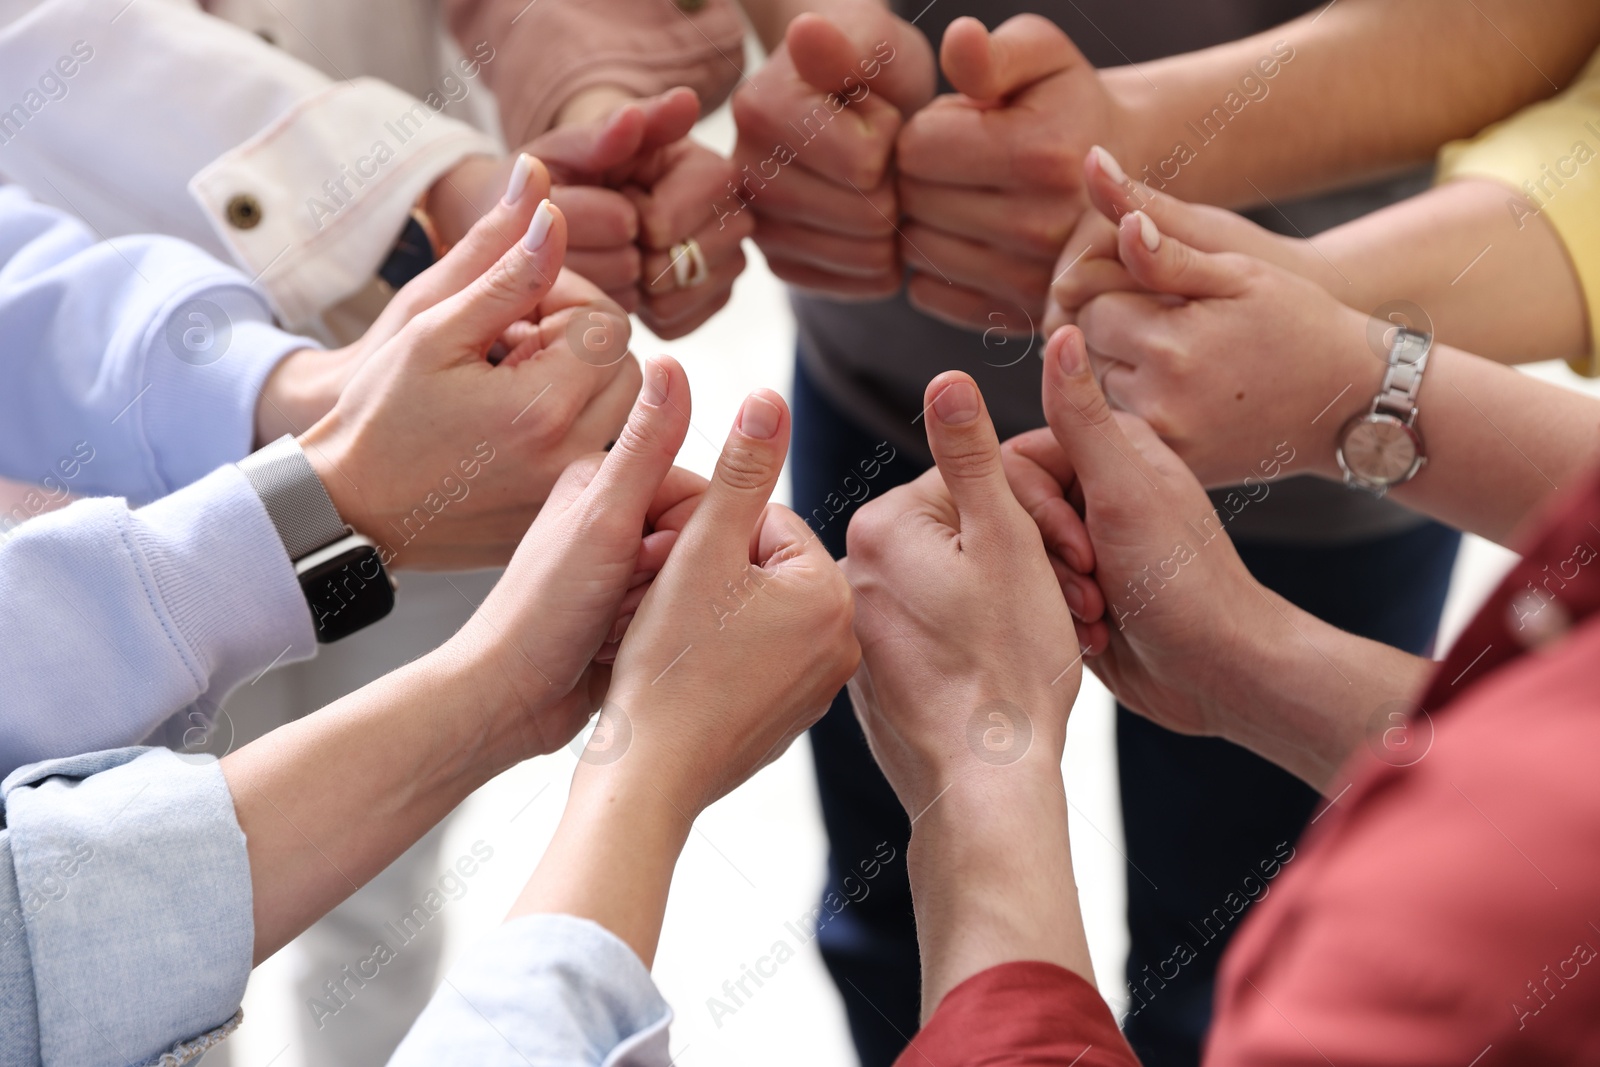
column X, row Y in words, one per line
column 1022, row 1014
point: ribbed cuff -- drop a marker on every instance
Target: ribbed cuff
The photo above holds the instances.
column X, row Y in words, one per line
column 143, row 932
column 226, row 586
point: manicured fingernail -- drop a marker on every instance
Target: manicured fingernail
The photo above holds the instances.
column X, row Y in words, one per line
column 1070, row 355
column 1148, row 232
column 655, row 382
column 758, row 418
column 539, row 229
column 1109, row 164
column 957, row 403
column 519, row 177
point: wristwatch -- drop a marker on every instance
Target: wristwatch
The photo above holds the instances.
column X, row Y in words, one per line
column 416, row 249
column 340, row 572
column 1382, row 448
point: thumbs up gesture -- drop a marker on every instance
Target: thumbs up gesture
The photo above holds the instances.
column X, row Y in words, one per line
column 990, row 177
column 817, row 128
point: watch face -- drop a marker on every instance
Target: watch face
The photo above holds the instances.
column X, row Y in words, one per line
column 1380, row 449
column 348, row 592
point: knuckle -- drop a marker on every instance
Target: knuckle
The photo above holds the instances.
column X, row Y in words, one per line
column 744, row 467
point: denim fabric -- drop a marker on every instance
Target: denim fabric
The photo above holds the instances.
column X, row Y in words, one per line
column 127, row 931
column 545, row 990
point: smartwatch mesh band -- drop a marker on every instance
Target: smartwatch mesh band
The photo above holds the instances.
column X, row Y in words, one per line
column 295, row 498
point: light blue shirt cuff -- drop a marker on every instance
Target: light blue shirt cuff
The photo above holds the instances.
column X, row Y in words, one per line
column 545, row 989
column 134, row 886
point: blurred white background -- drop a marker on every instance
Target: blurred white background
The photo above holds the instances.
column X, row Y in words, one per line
column 756, row 859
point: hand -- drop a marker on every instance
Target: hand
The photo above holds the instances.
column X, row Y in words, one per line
column 642, row 154
column 1089, row 266
column 607, row 529
column 968, row 656
column 741, row 643
column 1244, row 369
column 817, row 127
column 989, row 175
column 442, row 456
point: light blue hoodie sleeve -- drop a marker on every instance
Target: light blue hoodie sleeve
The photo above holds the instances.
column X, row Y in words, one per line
column 128, row 367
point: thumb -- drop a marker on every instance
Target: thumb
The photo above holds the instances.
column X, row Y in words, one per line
column 821, row 53
column 668, row 117
column 993, row 66
column 512, row 286
column 881, row 54
column 630, row 479
column 590, row 149
column 965, row 446
column 1081, row 418
column 746, row 474
column 1164, row 264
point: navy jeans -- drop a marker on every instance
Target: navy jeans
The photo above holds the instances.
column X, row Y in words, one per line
column 1200, row 814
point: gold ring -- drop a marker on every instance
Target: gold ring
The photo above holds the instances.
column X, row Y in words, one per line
column 689, row 267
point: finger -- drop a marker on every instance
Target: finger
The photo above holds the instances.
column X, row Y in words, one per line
column 1090, row 278
column 613, row 270
column 1045, row 501
column 634, row 469
column 781, row 536
column 957, row 142
column 653, row 552
column 681, row 201
column 797, row 194
column 744, row 478
column 585, row 151
column 844, row 288
column 717, row 246
column 596, row 217
column 680, row 494
column 674, row 316
column 997, row 318
column 1167, row 265
column 1080, row 417
column 510, row 288
column 848, row 256
column 850, row 59
column 1131, row 328
column 965, row 448
column 487, row 241
column 993, row 66
column 1008, row 277
column 1023, row 222
column 668, row 117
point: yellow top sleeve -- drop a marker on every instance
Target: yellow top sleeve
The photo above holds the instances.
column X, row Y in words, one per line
column 1550, row 152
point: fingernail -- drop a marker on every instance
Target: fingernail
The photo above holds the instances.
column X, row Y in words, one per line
column 1148, row 232
column 1109, row 164
column 519, row 178
column 619, row 629
column 957, row 403
column 539, row 229
column 758, row 418
column 655, row 382
column 1070, row 356
column 1074, row 597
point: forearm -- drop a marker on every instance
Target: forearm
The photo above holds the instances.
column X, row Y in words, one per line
column 1304, row 694
column 330, row 800
column 612, row 858
column 991, row 875
column 1353, row 102
column 1491, row 280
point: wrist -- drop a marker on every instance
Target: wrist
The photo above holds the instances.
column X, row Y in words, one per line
column 1353, row 374
column 301, row 389
column 461, row 196
column 592, row 104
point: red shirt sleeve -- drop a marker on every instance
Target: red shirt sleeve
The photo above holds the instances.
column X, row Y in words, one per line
column 1022, row 1014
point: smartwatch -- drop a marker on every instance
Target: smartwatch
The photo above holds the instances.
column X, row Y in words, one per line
column 1382, row 448
column 340, row 572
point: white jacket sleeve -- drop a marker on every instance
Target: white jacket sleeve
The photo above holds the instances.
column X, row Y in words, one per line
column 114, row 622
column 128, row 368
column 156, row 117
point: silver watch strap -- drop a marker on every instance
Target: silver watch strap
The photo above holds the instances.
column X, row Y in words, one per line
column 296, row 500
column 1408, row 358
